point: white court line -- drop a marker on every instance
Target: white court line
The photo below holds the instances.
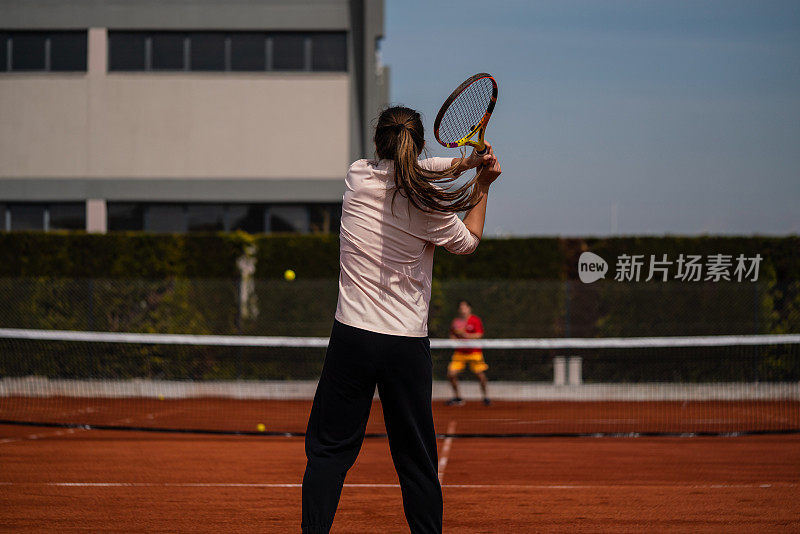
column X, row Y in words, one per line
column 448, row 443
column 378, row 486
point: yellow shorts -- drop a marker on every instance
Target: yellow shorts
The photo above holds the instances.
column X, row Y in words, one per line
column 462, row 358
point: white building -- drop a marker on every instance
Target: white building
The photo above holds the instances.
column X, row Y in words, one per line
column 184, row 115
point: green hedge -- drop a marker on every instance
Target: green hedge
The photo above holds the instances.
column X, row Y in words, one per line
column 616, row 308
column 190, row 283
column 523, row 287
column 537, row 258
column 120, row 282
column 120, row 255
column 140, row 255
column 311, row 257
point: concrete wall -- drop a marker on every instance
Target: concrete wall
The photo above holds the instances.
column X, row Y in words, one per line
column 182, row 125
column 166, row 126
column 176, row 14
column 188, row 136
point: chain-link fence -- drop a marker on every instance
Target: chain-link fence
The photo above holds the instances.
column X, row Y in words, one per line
column 302, row 308
column 509, row 308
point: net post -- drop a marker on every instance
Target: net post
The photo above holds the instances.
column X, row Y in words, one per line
column 559, row 370
column 575, row 371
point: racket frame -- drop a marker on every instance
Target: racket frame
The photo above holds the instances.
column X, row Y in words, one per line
column 479, row 128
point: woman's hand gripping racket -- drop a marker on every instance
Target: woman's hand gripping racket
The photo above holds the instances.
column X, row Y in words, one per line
column 464, row 115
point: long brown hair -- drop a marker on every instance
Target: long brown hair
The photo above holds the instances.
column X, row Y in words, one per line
column 400, row 138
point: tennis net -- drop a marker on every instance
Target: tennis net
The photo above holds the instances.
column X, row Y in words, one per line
column 539, row 387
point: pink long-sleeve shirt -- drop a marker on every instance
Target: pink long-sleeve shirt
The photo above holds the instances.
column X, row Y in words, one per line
column 386, row 251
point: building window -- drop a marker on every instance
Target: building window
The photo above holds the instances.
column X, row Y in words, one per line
column 246, row 217
column 124, row 216
column 28, row 51
column 208, row 51
column 324, row 218
column 289, row 52
column 5, row 52
column 248, row 52
column 169, row 51
column 127, row 51
column 165, row 218
column 67, row 216
column 288, row 218
column 35, row 51
column 27, row 216
column 329, row 52
column 227, row 51
column 43, row 217
column 206, row 217
column 68, row 51
column 176, row 217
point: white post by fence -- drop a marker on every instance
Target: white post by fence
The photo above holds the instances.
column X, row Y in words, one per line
column 559, row 370
column 575, row 371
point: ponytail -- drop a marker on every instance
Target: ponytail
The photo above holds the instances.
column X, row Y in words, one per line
column 400, row 138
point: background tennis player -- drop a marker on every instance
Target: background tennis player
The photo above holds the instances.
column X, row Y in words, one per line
column 467, row 326
column 396, row 209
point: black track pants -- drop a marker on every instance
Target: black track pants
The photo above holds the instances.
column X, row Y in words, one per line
column 358, row 360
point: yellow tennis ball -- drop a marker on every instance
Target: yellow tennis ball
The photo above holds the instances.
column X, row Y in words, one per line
column 161, row 397
column 261, row 427
column 289, row 275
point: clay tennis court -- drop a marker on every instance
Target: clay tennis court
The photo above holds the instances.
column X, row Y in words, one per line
column 504, row 417
column 71, row 480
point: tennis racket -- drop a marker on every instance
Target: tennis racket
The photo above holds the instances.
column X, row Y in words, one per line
column 464, row 115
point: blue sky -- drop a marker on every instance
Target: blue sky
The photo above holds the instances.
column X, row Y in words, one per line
column 619, row 117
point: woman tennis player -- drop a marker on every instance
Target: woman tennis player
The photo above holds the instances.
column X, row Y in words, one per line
column 396, row 210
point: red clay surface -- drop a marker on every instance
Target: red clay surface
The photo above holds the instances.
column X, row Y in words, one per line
column 503, row 417
column 55, row 480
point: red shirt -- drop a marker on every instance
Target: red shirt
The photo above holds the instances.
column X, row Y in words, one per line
column 471, row 325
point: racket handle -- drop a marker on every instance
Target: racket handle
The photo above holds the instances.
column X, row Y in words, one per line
column 482, row 152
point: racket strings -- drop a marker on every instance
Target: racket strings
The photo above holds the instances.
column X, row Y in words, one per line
column 466, row 111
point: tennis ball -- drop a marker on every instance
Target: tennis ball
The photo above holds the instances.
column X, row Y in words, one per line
column 289, row 275
column 161, row 397
column 261, row 427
